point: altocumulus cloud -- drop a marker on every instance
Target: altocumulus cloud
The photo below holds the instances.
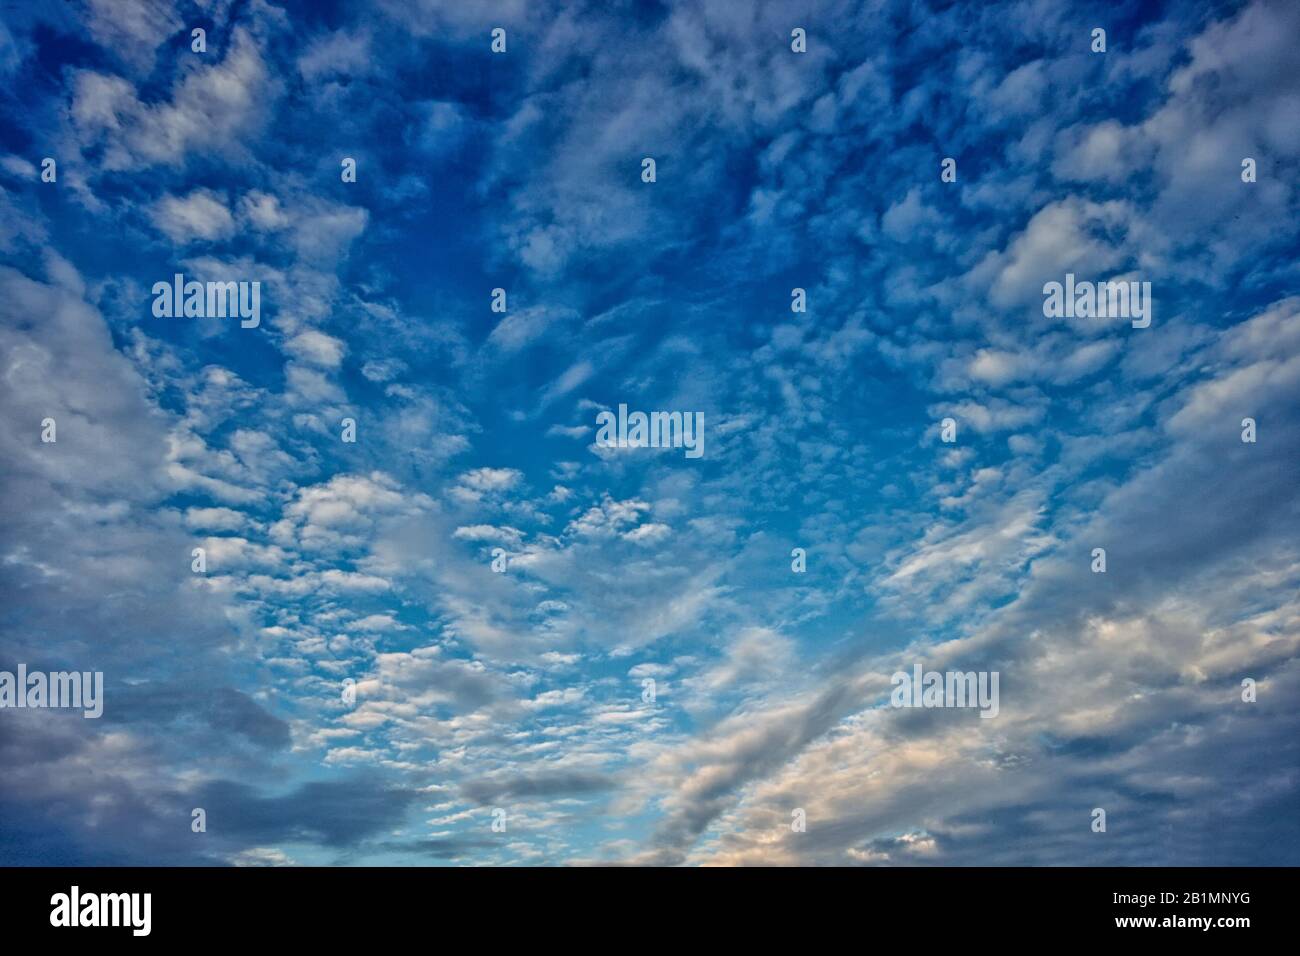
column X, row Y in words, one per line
column 428, row 602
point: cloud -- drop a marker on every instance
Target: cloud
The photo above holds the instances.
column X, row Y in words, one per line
column 317, row 348
column 338, row 814
column 369, row 562
column 486, row 791
column 201, row 215
column 218, row 107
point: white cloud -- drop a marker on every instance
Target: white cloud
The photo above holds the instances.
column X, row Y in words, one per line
column 201, row 215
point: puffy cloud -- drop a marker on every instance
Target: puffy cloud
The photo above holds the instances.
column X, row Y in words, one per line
column 210, row 107
column 365, row 567
column 200, row 215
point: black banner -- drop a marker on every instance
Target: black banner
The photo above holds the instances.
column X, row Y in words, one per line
column 336, row 906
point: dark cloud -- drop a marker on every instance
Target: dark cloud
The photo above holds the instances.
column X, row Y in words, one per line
column 338, row 814
column 544, row 785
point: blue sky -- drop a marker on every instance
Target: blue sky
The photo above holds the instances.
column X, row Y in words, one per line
column 523, row 691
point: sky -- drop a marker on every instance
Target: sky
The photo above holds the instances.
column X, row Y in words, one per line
column 650, row 680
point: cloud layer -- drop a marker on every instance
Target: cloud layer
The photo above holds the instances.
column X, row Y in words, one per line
column 349, row 679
